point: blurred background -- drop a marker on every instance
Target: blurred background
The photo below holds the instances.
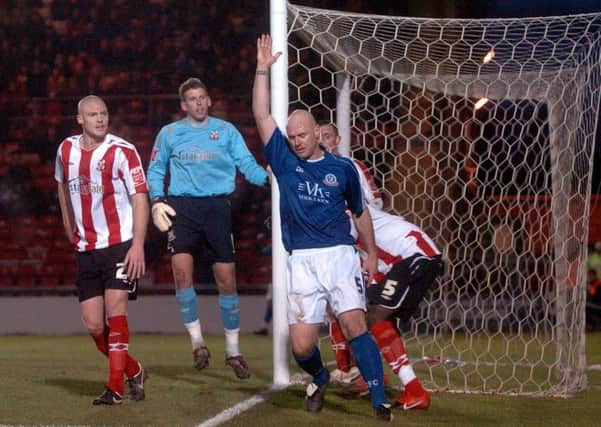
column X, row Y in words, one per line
column 134, row 54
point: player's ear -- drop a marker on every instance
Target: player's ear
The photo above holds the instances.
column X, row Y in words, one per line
column 210, row 103
column 183, row 106
column 79, row 119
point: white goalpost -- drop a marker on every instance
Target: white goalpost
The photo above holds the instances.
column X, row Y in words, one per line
column 482, row 133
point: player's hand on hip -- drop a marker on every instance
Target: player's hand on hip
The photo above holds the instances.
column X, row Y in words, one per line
column 162, row 214
column 264, row 56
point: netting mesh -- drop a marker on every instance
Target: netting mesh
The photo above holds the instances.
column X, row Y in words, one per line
column 482, row 133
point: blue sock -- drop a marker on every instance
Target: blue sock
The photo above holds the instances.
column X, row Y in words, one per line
column 186, row 301
column 230, row 311
column 313, row 365
column 369, row 363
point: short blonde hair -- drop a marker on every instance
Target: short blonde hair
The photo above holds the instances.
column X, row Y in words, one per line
column 191, row 83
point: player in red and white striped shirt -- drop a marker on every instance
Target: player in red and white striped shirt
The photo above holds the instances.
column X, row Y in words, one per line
column 408, row 264
column 103, row 197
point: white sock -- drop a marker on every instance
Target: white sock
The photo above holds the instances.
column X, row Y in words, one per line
column 195, row 332
column 406, row 374
column 231, row 342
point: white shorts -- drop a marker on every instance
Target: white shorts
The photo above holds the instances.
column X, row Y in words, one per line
column 316, row 277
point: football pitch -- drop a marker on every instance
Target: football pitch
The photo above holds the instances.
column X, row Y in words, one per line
column 52, row 380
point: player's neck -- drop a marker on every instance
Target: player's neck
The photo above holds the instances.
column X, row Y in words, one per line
column 197, row 123
column 317, row 155
column 88, row 142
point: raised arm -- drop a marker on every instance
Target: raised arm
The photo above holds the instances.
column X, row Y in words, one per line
column 265, row 122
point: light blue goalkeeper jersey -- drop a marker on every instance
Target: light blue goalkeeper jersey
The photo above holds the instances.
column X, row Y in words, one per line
column 202, row 159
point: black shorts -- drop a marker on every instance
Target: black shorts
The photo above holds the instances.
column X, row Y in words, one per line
column 202, row 223
column 406, row 284
column 102, row 269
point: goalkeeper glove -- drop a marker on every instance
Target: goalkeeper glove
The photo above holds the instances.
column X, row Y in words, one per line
column 162, row 213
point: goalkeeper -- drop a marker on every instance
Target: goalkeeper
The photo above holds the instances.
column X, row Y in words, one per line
column 202, row 154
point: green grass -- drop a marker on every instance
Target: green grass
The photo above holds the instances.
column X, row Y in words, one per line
column 52, row 380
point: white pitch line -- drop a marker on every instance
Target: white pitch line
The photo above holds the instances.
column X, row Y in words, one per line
column 234, row 411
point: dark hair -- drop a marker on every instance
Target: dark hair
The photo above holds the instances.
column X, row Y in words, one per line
column 191, row 83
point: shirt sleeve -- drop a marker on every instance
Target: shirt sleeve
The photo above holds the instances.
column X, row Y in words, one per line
column 159, row 161
column 244, row 160
column 278, row 153
column 131, row 171
column 353, row 192
column 59, row 173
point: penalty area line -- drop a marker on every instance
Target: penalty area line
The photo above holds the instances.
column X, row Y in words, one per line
column 239, row 408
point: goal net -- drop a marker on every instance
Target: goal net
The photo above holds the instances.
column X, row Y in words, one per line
column 482, row 133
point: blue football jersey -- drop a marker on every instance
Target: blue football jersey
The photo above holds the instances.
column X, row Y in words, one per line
column 313, row 196
column 202, row 160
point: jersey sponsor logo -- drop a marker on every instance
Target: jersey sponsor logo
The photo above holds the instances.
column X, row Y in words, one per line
column 299, row 170
column 196, row 156
column 84, row 186
column 313, row 192
column 330, row 180
column 137, row 176
column 214, row 135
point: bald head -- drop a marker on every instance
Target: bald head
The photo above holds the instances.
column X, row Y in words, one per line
column 302, row 133
column 301, row 116
column 93, row 116
column 87, row 100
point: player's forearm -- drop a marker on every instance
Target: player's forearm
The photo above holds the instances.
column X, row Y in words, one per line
column 365, row 230
column 66, row 212
column 141, row 213
column 260, row 103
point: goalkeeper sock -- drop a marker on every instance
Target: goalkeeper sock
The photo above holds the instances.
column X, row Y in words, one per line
column 118, row 343
column 313, row 365
column 188, row 307
column 229, row 306
column 101, row 340
column 369, row 363
column 231, row 342
column 340, row 347
column 392, row 348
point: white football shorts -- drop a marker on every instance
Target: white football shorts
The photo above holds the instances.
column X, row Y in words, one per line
column 316, row 277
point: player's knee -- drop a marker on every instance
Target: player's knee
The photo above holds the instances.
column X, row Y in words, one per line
column 352, row 324
column 302, row 348
column 93, row 326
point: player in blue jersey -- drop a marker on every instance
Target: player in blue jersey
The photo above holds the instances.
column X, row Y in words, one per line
column 201, row 154
column 315, row 189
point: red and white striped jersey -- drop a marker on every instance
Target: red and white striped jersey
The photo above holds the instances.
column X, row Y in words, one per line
column 396, row 240
column 100, row 183
column 370, row 191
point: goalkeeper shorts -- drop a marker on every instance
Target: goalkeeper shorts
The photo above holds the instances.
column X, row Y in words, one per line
column 202, row 225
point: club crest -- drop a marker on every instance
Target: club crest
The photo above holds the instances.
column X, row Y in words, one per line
column 330, row 180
